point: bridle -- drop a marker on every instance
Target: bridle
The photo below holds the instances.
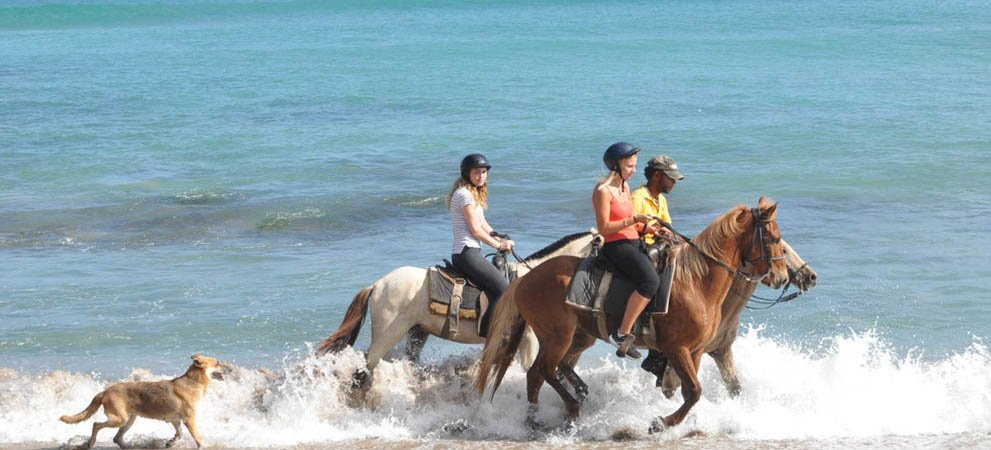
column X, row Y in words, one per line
column 760, row 233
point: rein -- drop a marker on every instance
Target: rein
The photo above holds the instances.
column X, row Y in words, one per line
column 758, row 234
column 784, row 296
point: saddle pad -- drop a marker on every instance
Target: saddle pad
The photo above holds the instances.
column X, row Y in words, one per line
column 441, row 288
column 591, row 279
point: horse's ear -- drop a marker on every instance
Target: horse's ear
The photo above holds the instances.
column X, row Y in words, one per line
column 768, row 207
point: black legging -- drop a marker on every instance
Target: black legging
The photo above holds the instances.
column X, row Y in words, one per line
column 484, row 274
column 633, row 264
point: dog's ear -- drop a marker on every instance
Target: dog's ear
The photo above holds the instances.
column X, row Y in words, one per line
column 198, row 360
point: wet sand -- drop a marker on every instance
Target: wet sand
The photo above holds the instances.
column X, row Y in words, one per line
column 701, row 442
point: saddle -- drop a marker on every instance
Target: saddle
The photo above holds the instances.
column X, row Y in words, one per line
column 455, row 296
column 598, row 288
column 449, row 289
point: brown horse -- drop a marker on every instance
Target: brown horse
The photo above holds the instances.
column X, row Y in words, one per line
column 720, row 347
column 705, row 271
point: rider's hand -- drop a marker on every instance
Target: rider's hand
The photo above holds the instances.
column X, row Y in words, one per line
column 506, row 244
column 641, row 218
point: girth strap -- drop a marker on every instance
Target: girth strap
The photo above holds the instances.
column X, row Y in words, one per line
column 453, row 312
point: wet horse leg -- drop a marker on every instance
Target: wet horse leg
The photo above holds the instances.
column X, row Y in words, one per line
column 416, row 338
column 724, row 361
column 669, row 382
column 387, row 332
column 544, row 369
column 685, row 364
column 727, row 369
column 566, row 373
column 566, row 369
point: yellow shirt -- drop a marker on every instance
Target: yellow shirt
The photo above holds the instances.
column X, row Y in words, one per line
column 644, row 203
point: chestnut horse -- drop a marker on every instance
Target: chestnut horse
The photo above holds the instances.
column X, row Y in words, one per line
column 703, row 275
column 720, row 348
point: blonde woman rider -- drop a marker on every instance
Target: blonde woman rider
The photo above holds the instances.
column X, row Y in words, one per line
column 467, row 203
column 618, row 225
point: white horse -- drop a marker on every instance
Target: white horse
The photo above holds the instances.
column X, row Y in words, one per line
column 399, row 304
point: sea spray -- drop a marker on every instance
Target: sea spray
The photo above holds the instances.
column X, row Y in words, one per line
column 854, row 386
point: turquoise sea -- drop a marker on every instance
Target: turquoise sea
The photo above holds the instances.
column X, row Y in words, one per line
column 222, row 176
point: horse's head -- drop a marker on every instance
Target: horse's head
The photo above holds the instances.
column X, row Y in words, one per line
column 799, row 272
column 765, row 253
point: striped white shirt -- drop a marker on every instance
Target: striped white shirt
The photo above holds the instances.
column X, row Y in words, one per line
column 462, row 234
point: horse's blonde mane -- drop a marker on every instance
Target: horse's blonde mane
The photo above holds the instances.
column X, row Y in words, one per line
column 690, row 263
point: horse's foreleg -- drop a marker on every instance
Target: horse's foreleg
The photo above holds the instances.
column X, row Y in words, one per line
column 669, row 382
column 685, row 364
column 724, row 361
column 656, row 363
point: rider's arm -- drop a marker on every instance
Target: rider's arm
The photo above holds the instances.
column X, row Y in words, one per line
column 600, row 201
column 480, row 228
column 642, row 206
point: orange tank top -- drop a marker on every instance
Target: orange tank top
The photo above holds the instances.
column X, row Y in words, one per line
column 619, row 209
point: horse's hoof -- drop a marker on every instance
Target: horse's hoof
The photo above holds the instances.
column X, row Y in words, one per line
column 457, row 427
column 624, row 435
column 656, row 426
column 569, row 426
column 361, row 379
column 536, row 426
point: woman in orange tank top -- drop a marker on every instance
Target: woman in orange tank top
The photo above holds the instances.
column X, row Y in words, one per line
column 616, row 222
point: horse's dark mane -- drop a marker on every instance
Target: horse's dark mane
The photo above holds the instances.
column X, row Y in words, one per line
column 557, row 245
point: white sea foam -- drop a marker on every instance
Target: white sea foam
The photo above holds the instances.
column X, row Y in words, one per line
column 851, row 387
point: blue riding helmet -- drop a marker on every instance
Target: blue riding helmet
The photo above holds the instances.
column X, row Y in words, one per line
column 617, row 152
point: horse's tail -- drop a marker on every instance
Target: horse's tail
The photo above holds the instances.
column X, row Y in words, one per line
column 86, row 413
column 347, row 333
column 505, row 334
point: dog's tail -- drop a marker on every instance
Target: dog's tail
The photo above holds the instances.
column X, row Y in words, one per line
column 350, row 326
column 89, row 411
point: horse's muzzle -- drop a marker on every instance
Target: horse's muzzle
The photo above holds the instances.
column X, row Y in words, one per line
column 775, row 280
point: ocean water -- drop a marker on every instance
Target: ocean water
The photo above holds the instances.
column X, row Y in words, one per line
column 221, row 177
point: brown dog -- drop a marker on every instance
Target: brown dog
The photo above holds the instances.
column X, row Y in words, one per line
column 173, row 401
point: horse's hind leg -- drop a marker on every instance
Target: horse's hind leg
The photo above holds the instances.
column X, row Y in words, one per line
column 566, row 368
column 566, row 373
column 548, row 359
column 384, row 338
column 534, row 381
column 416, row 338
column 685, row 364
